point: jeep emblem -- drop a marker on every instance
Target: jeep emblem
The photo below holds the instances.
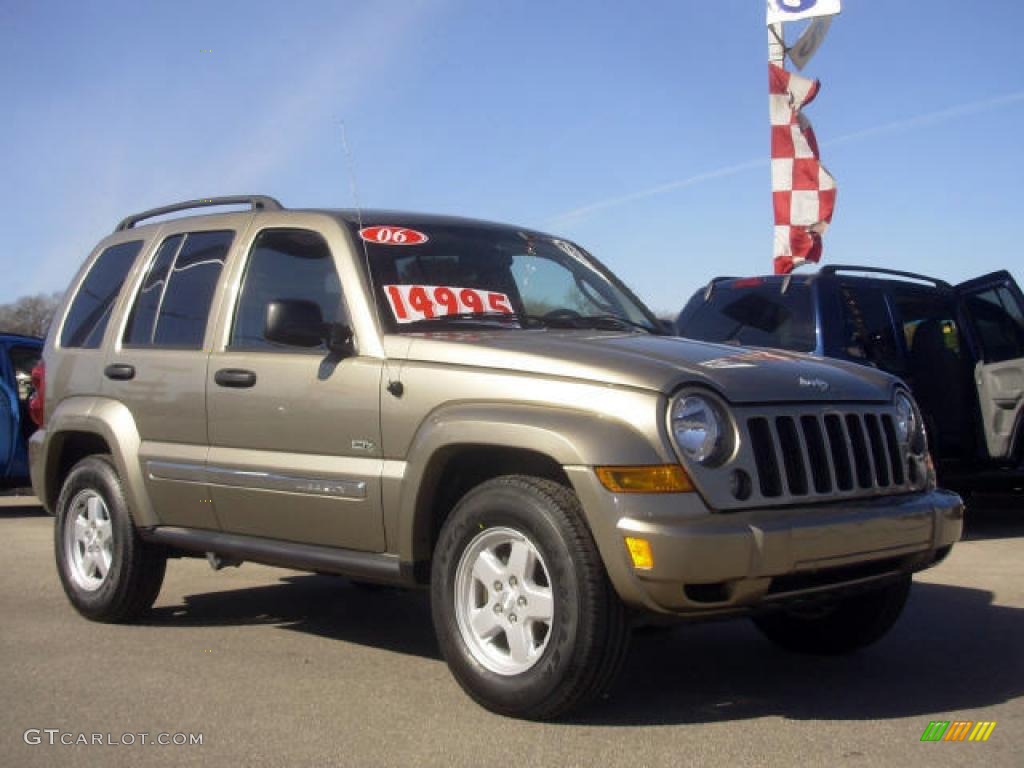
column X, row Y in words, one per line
column 819, row 384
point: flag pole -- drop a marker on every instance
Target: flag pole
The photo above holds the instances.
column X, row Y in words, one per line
column 776, row 45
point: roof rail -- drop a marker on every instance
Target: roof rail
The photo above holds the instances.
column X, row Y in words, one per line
column 258, row 203
column 832, row 269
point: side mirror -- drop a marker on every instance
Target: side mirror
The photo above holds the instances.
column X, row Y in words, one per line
column 340, row 341
column 295, row 322
column 299, row 323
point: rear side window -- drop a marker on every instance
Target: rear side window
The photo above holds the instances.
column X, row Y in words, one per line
column 753, row 313
column 90, row 310
column 173, row 303
column 285, row 264
column 867, row 329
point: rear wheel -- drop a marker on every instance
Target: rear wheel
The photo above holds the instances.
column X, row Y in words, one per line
column 523, row 609
column 108, row 573
column 841, row 627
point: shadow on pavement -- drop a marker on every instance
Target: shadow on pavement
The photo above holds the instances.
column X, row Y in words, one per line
column 952, row 650
column 994, row 517
column 20, row 506
column 329, row 606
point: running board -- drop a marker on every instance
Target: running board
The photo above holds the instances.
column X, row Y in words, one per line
column 370, row 566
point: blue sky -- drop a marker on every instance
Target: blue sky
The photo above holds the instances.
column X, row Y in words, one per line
column 638, row 129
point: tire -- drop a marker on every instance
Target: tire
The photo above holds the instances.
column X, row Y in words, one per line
column 847, row 626
column 527, row 536
column 108, row 573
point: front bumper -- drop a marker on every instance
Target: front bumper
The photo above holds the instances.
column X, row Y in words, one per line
column 708, row 563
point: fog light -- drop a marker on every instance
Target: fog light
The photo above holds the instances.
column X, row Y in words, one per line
column 739, row 484
column 660, row 478
column 640, row 553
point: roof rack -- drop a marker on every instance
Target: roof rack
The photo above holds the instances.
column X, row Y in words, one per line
column 258, row 203
column 832, row 269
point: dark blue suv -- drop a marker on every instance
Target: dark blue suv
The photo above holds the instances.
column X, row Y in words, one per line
column 18, row 356
column 960, row 348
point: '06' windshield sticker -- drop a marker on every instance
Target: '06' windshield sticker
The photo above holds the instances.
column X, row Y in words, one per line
column 384, row 235
column 410, row 303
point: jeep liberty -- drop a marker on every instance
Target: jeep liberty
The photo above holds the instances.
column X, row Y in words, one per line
column 479, row 409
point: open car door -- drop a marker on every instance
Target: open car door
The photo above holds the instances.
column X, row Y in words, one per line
column 993, row 309
column 8, row 423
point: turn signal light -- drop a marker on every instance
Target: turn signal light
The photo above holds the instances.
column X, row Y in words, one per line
column 640, row 553
column 660, row 478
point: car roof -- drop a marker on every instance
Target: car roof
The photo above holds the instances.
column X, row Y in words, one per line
column 349, row 217
column 851, row 273
column 20, row 338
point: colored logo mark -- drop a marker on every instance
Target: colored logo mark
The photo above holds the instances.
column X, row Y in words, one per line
column 958, row 730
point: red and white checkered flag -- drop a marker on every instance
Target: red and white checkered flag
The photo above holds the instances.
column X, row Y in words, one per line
column 804, row 192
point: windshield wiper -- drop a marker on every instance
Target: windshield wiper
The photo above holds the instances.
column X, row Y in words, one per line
column 486, row 317
column 598, row 322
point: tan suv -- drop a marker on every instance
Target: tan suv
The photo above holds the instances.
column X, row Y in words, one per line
column 481, row 408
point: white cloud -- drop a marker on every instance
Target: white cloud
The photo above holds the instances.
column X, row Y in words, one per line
column 896, row 126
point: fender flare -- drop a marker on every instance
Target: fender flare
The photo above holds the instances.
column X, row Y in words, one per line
column 568, row 437
column 112, row 421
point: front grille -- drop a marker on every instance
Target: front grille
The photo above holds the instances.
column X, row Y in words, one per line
column 826, row 454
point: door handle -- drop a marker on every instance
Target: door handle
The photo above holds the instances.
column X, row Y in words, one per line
column 235, row 377
column 119, row 372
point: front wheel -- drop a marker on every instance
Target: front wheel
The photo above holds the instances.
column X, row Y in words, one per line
column 109, row 574
column 842, row 627
column 523, row 610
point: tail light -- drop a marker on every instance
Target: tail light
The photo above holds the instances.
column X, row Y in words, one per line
column 37, row 402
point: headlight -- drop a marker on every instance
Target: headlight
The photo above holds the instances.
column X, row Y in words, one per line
column 699, row 430
column 910, row 425
column 905, row 418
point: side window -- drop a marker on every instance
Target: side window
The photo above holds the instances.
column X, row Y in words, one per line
column 998, row 321
column 928, row 321
column 142, row 320
column 90, row 310
column 284, row 264
column 174, row 300
column 867, row 328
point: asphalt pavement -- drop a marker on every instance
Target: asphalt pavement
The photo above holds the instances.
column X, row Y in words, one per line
column 279, row 668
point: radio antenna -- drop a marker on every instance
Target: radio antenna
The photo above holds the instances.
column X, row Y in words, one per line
column 351, row 168
column 394, row 385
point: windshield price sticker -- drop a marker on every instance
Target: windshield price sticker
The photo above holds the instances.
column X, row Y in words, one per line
column 410, row 303
column 383, row 235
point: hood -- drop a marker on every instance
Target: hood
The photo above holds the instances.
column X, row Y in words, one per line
column 660, row 363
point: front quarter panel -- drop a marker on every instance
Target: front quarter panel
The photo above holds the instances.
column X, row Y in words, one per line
column 572, row 437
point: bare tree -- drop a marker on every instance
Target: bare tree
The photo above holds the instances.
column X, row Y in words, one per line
column 29, row 315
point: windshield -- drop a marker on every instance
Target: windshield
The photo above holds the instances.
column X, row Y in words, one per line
column 435, row 277
column 752, row 312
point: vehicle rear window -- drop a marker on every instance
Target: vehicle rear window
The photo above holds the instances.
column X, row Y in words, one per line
column 753, row 313
column 90, row 311
column 174, row 300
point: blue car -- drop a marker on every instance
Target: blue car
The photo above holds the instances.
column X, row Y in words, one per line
column 18, row 356
column 959, row 347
